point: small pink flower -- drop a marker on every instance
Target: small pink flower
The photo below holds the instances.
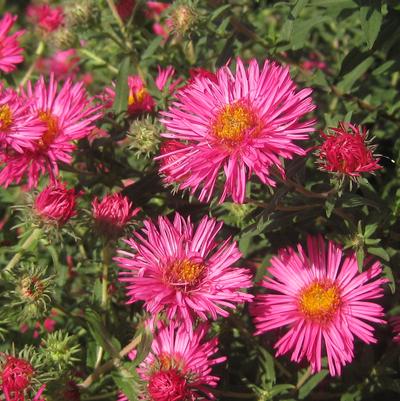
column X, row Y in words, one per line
column 323, row 300
column 346, row 151
column 19, row 129
column 139, row 99
column 10, row 50
column 314, row 63
column 165, row 75
column 182, row 270
column 179, row 365
column 55, row 204
column 46, row 17
column 68, row 115
column 235, row 125
column 112, row 214
column 395, row 322
column 62, row 64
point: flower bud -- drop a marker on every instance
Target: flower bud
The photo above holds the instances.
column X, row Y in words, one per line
column 145, row 136
column 112, row 214
column 64, row 39
column 55, row 205
column 82, row 14
column 183, row 17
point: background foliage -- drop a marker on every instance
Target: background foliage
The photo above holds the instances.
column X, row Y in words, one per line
column 359, row 42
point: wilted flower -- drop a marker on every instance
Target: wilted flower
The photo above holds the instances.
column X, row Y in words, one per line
column 236, row 126
column 112, row 214
column 10, row 50
column 19, row 129
column 180, row 270
column 68, row 115
column 346, row 151
column 179, row 365
column 46, row 17
column 82, row 13
column 55, row 204
column 64, row 39
column 183, row 17
column 323, row 300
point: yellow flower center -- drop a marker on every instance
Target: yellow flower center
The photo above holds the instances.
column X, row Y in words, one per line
column 233, row 122
column 52, row 129
column 5, row 117
column 136, row 97
column 319, row 301
column 185, row 272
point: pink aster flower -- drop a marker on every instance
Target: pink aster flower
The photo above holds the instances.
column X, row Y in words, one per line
column 10, row 50
column 46, row 17
column 55, row 204
column 164, row 76
column 313, row 63
column 236, row 125
column 346, row 151
column 68, row 115
column 139, row 100
column 63, row 64
column 112, row 214
column 395, row 322
column 183, row 270
column 179, row 365
column 18, row 128
column 323, row 300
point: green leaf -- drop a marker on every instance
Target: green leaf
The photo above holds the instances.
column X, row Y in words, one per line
column 144, row 347
column 360, row 254
column 370, row 229
column 220, row 10
column 371, row 20
column 380, row 252
column 152, row 47
column 122, row 88
column 312, row 383
column 267, row 361
column 388, row 273
column 351, row 77
column 126, row 380
column 280, row 388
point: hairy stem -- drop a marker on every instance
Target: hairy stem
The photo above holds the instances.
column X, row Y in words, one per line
column 39, row 51
column 35, row 235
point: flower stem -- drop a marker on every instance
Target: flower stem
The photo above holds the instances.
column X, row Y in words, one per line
column 110, row 363
column 303, row 378
column 120, row 23
column 104, row 282
column 39, row 51
column 98, row 59
column 35, row 235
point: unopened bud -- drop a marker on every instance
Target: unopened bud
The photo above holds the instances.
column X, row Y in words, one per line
column 145, row 137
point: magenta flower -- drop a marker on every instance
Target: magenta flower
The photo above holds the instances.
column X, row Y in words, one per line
column 19, row 129
column 15, row 379
column 236, row 125
column 68, row 115
column 183, row 271
column 55, row 204
column 324, row 301
column 10, row 50
column 164, row 75
column 112, row 214
column 139, row 100
column 46, row 17
column 178, row 366
column 346, row 151
column 395, row 322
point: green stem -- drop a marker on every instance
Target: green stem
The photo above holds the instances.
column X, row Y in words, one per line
column 35, row 235
column 303, row 378
column 107, row 254
column 98, row 60
column 120, row 23
column 39, row 51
